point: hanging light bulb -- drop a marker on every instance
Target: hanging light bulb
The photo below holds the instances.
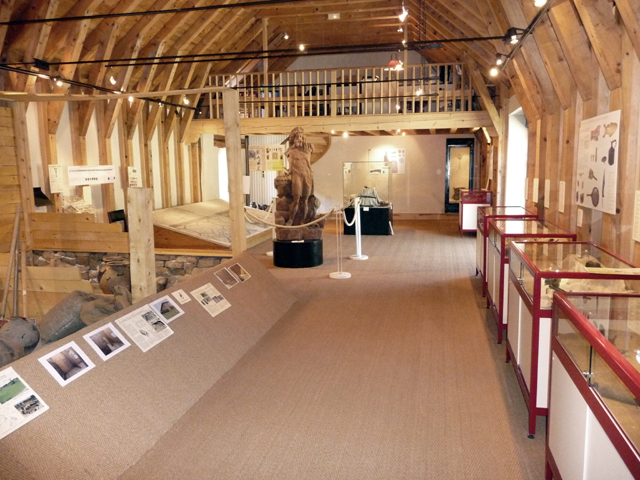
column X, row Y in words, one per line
column 130, row 99
column 400, row 29
column 58, row 81
column 333, row 132
column 494, row 72
column 404, row 134
column 112, row 80
column 419, row 91
column 185, row 100
column 301, row 47
column 499, row 59
column 345, row 134
column 286, row 36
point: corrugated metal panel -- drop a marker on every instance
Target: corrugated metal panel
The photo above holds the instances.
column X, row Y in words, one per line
column 262, row 190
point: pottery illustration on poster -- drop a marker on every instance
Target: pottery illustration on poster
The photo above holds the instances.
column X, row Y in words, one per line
column 597, row 174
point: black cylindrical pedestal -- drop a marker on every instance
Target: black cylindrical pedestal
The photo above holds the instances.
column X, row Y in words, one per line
column 297, row 254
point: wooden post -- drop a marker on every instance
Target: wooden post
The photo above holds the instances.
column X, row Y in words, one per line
column 235, row 164
column 141, row 244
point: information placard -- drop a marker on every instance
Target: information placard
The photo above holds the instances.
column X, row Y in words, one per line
column 91, row 174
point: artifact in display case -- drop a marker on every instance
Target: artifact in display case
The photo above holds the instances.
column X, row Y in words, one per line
column 470, row 200
column 594, row 397
column 371, row 182
column 501, row 233
column 536, row 271
column 485, row 215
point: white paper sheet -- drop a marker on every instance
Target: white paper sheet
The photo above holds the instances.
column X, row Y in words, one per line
column 19, row 404
column 211, row 299
column 145, row 327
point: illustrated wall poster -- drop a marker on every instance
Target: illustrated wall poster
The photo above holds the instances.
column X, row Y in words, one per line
column 211, row 299
column 145, row 327
column 18, row 403
column 397, row 158
column 269, row 157
column 597, row 172
column 66, row 363
column 56, row 178
column 106, row 341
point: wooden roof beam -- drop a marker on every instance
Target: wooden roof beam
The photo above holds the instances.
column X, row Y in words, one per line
column 630, row 13
column 59, row 29
column 6, row 8
column 75, row 36
column 604, row 33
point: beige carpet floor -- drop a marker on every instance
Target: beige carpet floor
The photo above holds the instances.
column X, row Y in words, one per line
column 392, row 374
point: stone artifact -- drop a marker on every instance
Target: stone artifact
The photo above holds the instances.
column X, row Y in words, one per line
column 18, row 337
column 296, row 204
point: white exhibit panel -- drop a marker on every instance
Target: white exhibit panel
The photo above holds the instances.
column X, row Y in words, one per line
column 470, row 201
column 525, row 340
column 479, row 250
column 594, row 397
column 567, row 423
column 513, row 320
column 544, row 350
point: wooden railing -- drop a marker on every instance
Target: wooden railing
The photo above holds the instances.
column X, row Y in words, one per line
column 348, row 91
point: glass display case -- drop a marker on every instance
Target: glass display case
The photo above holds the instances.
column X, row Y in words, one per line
column 371, row 181
column 485, row 215
column 357, row 176
column 536, row 271
column 594, row 398
column 470, row 200
column 501, row 233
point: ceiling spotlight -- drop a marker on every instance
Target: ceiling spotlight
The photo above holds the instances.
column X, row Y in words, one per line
column 286, row 36
column 185, row 100
column 494, row 72
column 404, row 42
column 130, row 99
column 58, row 81
column 540, row 3
column 345, row 134
column 397, row 106
column 333, row 132
column 112, row 80
column 419, row 91
column 301, row 47
column 513, row 35
column 403, row 16
column 404, row 134
column 500, row 58
column 398, row 131
column 400, row 29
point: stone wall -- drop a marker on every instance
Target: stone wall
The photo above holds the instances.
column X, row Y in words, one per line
column 170, row 269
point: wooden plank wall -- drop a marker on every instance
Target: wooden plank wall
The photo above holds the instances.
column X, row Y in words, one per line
column 9, row 178
column 46, row 286
column 77, row 233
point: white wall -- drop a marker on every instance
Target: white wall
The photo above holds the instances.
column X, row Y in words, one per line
column 209, row 171
column 517, row 148
column 419, row 190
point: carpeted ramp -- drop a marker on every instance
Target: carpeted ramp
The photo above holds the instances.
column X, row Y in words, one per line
column 103, row 422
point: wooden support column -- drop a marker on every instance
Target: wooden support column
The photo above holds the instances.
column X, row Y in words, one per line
column 180, row 177
column 24, row 167
column 569, row 153
column 552, row 163
column 49, row 150
column 141, row 243
column 501, row 141
column 265, row 47
column 195, row 169
column 104, row 158
column 235, row 164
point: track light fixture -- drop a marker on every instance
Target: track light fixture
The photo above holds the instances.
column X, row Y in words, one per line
column 185, row 100
column 500, row 58
column 58, row 81
column 513, row 35
column 540, row 3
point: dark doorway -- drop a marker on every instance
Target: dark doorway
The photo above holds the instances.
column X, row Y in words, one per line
column 459, row 171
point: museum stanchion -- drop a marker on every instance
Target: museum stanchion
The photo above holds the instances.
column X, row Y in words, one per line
column 339, row 275
column 356, row 219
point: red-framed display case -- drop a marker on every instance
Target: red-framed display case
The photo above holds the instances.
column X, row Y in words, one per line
column 594, row 397
column 485, row 215
column 536, row 271
column 470, row 200
column 501, row 233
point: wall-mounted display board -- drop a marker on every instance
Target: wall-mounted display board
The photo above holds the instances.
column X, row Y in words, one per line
column 91, row 175
column 266, row 157
column 598, row 151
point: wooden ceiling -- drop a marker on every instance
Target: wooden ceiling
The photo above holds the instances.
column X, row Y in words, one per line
column 238, row 27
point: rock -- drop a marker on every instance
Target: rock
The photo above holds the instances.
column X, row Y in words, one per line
column 185, row 259
column 113, row 274
column 207, row 262
column 42, row 262
column 161, row 283
column 64, row 318
column 174, row 264
column 22, row 331
column 48, row 255
column 9, row 351
column 159, row 264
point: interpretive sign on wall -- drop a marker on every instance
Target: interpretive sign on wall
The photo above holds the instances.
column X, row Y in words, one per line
column 134, row 177
column 56, row 178
column 597, row 173
column 91, row 174
column 268, row 157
